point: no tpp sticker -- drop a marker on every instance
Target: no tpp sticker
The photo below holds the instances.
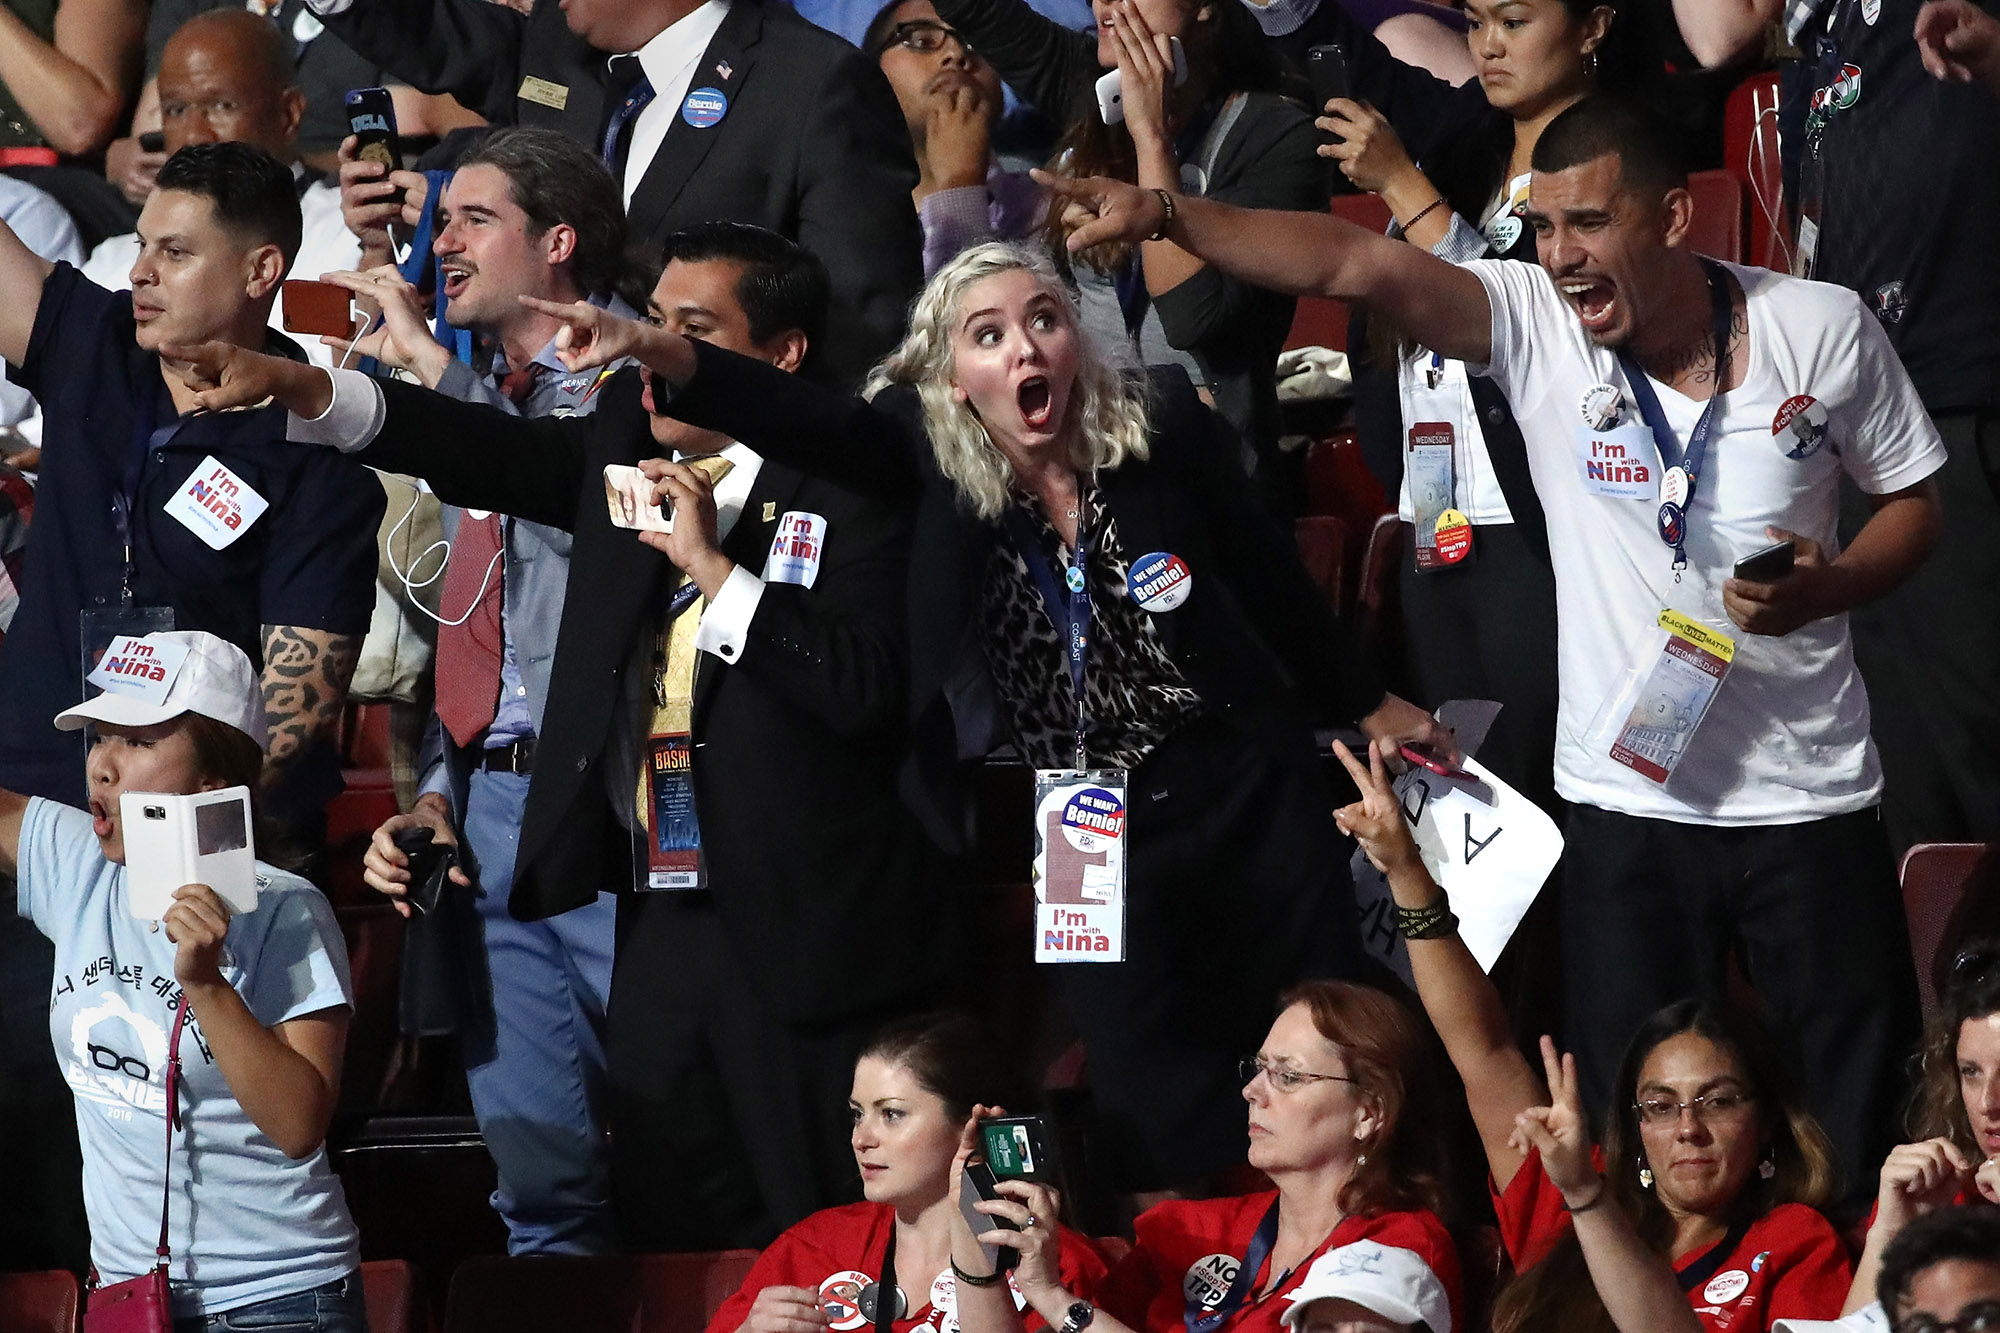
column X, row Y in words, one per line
column 1093, row 819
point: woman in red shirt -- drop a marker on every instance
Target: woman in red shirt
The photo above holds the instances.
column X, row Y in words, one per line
column 916, row 1090
column 1702, row 1218
column 1340, row 1106
column 1955, row 1117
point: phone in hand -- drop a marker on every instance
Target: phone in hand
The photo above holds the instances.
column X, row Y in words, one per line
column 978, row 1182
column 628, row 498
column 317, row 307
column 1019, row 1147
column 371, row 119
column 173, row 839
column 430, row 866
column 1768, row 565
column 1326, row 70
column 1111, row 87
column 153, row 141
column 1424, row 757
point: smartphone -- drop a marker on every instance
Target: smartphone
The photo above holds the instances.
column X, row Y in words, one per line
column 1111, row 88
column 978, row 1183
column 1326, row 70
column 371, row 118
column 1768, row 565
column 153, row 141
column 317, row 307
column 1426, row 758
column 1019, row 1147
column 200, row 838
column 628, row 498
column 430, row 866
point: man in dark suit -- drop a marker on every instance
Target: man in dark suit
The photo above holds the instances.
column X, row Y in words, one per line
column 736, row 1010
column 735, row 109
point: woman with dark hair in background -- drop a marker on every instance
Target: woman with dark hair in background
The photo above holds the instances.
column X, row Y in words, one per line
column 1225, row 132
column 1699, row 1210
column 918, row 1088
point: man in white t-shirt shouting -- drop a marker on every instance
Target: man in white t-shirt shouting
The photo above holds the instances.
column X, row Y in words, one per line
column 1713, row 731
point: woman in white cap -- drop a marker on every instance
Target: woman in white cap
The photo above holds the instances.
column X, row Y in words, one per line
column 257, row 1227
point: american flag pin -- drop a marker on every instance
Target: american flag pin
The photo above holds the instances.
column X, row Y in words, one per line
column 722, row 68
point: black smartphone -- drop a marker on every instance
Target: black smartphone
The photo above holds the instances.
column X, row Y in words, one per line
column 978, row 1183
column 1019, row 1147
column 430, row 866
column 1326, row 70
column 153, row 141
column 371, row 119
column 1768, row 565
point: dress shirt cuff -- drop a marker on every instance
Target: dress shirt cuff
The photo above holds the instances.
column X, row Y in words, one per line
column 952, row 220
column 1462, row 242
column 1278, row 18
column 437, row 780
column 351, row 420
column 725, row 625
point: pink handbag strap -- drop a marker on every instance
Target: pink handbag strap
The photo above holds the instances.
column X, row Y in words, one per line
column 162, row 1250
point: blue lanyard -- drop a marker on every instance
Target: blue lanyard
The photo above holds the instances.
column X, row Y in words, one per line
column 1071, row 613
column 1674, row 512
column 147, row 435
column 1241, row 1285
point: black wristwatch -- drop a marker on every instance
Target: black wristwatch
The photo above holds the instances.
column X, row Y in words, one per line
column 1078, row 1318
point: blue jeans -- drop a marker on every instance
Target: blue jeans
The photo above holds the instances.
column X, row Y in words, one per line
column 336, row 1307
column 533, row 1035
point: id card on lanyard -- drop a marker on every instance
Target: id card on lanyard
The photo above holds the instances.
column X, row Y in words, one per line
column 668, row 830
column 1080, row 833
column 98, row 626
column 1434, row 411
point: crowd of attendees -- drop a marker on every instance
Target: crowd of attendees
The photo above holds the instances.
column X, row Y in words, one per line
column 747, row 423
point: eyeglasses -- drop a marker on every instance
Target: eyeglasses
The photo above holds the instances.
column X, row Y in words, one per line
column 1715, row 1106
column 924, row 36
column 1282, row 1078
column 1978, row 1317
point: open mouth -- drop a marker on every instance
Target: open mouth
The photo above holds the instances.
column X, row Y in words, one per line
column 1036, row 401
column 455, row 280
column 1594, row 301
column 100, row 818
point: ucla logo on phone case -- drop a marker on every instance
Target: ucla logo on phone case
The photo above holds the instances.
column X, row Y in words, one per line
column 704, row 107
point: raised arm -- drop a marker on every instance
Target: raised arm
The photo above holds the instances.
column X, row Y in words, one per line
column 74, row 88
column 1303, row 254
column 22, row 273
column 468, row 48
column 1050, row 65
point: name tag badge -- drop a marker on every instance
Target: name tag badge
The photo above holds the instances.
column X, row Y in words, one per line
column 216, row 505
column 541, row 92
column 673, row 844
column 1619, row 463
column 1683, row 666
column 1429, row 465
column 796, row 549
column 1079, row 868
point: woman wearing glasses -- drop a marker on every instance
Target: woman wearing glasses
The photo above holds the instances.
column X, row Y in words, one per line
column 951, row 99
column 1955, row 1115
column 1340, row 1119
column 1699, row 1209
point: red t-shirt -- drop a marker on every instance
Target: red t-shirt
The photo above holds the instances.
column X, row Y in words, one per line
column 838, row 1251
column 1198, row 1245
column 1789, row 1265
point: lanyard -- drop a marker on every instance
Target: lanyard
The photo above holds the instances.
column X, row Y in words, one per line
column 1702, row 1269
column 1241, row 1285
column 147, row 435
column 1069, row 614
column 889, row 1298
column 1683, row 466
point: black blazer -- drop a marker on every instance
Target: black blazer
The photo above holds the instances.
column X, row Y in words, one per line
column 813, row 859
column 1256, row 637
column 813, row 145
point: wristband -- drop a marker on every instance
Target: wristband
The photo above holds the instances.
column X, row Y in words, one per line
column 1427, row 923
column 973, row 1279
column 1423, row 213
column 1167, row 222
column 1595, row 1199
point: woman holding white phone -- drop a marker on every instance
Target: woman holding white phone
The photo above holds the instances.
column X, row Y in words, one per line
column 257, row 1223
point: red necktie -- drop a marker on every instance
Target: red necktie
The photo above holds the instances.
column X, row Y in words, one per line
column 468, row 654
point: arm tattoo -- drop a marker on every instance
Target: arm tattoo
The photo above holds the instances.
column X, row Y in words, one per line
column 306, row 674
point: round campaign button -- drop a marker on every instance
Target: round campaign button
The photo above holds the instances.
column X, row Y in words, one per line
column 703, row 107
column 840, row 1298
column 1159, row 581
column 1073, row 577
column 1092, row 820
column 1674, row 487
column 1600, row 406
column 1502, row 232
column 1208, row 1278
column 1673, row 524
column 1726, row 1287
column 1800, row 425
column 1454, row 536
column 873, row 1294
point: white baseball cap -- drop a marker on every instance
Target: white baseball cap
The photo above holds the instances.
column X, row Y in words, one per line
column 1391, row 1281
column 199, row 673
column 1868, row 1319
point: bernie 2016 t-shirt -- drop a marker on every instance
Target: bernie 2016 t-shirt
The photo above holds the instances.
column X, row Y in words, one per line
column 1786, row 736
column 246, row 1222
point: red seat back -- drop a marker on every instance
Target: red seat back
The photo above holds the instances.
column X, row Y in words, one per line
column 393, row 1292
column 1718, row 215
column 48, row 1302
column 1934, row 877
column 1750, row 153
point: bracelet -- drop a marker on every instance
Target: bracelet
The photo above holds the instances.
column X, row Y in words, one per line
column 1427, row 923
column 1423, row 213
column 1595, row 1199
column 973, row 1279
column 1167, row 222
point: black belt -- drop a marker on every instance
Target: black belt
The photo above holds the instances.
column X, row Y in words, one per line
column 517, row 757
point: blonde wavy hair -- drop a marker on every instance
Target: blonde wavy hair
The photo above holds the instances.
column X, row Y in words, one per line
column 1107, row 416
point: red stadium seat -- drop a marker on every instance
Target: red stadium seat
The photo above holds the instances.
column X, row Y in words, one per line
column 651, row 1293
column 373, row 933
column 48, row 1302
column 1718, row 215
column 1320, row 322
column 1750, row 153
column 394, row 1294
column 1322, row 543
column 1113, row 1248
column 1934, row 876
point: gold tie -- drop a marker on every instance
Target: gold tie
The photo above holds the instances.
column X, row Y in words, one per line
column 674, row 658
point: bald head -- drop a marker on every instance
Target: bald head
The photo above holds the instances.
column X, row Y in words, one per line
column 226, row 76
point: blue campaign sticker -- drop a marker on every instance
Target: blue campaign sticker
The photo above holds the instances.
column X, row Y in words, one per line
column 1093, row 813
column 1159, row 582
column 704, row 107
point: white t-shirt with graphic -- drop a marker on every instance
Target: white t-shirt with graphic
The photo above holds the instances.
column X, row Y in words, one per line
column 1786, row 738
column 246, row 1222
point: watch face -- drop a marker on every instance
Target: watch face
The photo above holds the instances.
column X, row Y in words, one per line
column 1079, row 1315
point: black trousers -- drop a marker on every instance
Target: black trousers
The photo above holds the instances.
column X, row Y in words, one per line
column 727, row 1124
column 1930, row 654
column 1237, row 886
column 42, row 1223
column 1651, row 911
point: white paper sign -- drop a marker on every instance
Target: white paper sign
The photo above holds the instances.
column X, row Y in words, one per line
column 216, row 505
column 795, row 551
column 1485, row 844
column 140, row 667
